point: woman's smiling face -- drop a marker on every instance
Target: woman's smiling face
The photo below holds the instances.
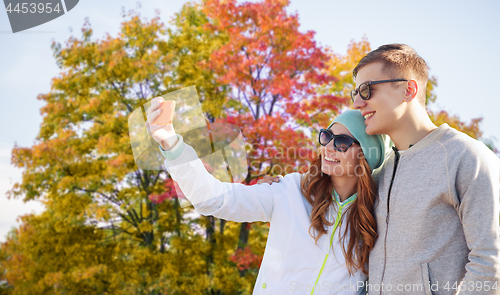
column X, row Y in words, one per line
column 337, row 163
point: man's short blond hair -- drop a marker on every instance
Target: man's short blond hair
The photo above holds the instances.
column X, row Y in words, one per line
column 399, row 61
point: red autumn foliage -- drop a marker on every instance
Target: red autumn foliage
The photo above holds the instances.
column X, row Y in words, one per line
column 274, row 72
column 171, row 191
column 246, row 259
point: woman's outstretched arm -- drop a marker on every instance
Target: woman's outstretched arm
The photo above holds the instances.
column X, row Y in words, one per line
column 210, row 196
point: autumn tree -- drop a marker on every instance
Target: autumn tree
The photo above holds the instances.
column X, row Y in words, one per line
column 273, row 71
column 50, row 256
column 82, row 166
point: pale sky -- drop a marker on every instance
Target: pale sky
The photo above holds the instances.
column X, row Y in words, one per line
column 458, row 39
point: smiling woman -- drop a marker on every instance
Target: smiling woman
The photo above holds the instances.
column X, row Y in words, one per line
column 348, row 162
column 328, row 209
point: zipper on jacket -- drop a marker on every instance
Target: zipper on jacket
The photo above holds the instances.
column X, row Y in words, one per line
column 338, row 222
column 388, row 211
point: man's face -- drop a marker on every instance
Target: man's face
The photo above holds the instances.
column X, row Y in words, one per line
column 384, row 109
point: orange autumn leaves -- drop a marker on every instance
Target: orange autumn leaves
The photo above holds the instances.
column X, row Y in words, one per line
column 274, row 72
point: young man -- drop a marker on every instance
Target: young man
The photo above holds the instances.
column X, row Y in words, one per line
column 438, row 209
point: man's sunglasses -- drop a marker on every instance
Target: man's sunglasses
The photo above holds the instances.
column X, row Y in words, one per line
column 364, row 88
column 341, row 143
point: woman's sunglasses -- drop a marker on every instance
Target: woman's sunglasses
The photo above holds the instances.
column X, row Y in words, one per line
column 364, row 88
column 341, row 143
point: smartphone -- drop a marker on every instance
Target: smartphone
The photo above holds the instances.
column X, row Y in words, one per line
column 167, row 113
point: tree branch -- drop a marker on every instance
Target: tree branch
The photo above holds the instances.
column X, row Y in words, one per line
column 275, row 98
column 249, row 104
column 111, row 199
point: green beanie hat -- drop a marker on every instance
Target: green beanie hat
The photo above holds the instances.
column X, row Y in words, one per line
column 373, row 146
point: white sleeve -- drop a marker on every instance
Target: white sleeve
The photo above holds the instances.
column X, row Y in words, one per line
column 209, row 196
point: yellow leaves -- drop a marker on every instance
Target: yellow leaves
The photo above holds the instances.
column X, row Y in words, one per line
column 89, row 273
column 120, row 165
column 164, row 219
column 102, row 214
column 106, row 143
column 341, row 66
column 99, row 212
column 430, row 95
column 145, row 226
column 60, row 226
column 66, row 182
column 92, row 105
column 471, row 129
column 54, row 279
column 40, row 150
column 21, row 157
column 58, row 257
column 117, row 58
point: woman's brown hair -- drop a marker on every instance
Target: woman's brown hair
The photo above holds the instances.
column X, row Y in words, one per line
column 317, row 188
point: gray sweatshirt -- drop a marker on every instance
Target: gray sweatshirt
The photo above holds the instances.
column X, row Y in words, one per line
column 438, row 223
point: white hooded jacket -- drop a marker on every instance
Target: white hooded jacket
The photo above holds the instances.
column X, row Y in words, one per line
column 292, row 260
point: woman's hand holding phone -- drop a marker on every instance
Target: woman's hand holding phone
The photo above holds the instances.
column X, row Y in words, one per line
column 163, row 130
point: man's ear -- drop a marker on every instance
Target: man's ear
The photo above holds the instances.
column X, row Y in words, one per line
column 411, row 90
